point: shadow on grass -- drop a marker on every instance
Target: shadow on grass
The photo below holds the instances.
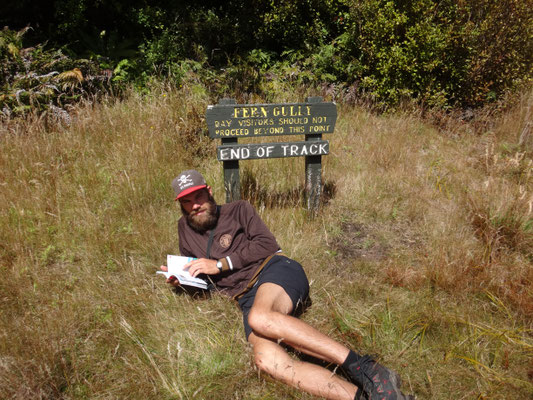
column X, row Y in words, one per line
column 258, row 195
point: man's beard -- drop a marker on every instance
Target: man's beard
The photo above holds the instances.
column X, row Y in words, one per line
column 207, row 220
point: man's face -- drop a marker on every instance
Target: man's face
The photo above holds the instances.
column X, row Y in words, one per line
column 199, row 208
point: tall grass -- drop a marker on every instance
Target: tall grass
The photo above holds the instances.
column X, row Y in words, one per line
column 421, row 255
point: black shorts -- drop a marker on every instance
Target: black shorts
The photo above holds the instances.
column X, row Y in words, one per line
column 286, row 273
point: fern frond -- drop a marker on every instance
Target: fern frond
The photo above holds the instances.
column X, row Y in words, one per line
column 22, row 32
column 13, row 50
column 70, row 76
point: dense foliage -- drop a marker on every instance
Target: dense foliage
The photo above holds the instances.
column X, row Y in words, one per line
column 442, row 53
column 44, row 80
column 447, row 52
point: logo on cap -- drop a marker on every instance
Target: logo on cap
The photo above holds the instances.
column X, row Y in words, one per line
column 184, row 181
column 187, row 182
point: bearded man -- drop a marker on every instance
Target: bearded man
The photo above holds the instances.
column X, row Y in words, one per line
column 240, row 255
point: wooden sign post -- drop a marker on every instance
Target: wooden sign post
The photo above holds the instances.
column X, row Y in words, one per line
column 230, row 122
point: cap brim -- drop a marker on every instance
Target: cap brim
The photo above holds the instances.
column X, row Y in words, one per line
column 189, row 190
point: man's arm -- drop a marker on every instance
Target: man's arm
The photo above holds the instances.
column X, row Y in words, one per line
column 259, row 244
column 202, row 266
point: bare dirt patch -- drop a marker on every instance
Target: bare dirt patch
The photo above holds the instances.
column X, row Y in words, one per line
column 359, row 242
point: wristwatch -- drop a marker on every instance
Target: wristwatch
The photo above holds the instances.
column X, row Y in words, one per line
column 219, row 265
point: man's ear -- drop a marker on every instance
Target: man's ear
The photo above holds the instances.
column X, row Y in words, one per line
column 209, row 190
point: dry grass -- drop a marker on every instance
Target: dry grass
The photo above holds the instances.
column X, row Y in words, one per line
column 422, row 255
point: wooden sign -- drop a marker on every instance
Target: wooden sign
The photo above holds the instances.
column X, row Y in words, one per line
column 230, row 122
column 241, row 121
column 272, row 150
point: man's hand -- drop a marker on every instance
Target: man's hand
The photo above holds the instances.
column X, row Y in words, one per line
column 202, row 266
column 172, row 279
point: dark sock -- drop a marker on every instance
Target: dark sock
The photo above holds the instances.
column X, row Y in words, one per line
column 352, row 358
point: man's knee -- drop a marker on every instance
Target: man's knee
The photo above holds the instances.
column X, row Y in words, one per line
column 274, row 363
column 263, row 322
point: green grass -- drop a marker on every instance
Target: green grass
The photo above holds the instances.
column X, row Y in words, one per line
column 422, row 254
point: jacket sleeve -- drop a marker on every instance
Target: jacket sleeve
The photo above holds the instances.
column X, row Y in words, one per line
column 259, row 244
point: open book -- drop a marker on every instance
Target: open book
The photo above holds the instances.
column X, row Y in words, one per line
column 175, row 266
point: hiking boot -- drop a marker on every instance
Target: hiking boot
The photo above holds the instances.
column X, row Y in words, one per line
column 375, row 381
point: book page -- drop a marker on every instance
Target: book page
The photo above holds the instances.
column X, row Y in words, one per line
column 175, row 265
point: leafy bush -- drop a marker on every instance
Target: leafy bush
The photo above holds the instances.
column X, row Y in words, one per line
column 38, row 79
column 443, row 53
column 498, row 39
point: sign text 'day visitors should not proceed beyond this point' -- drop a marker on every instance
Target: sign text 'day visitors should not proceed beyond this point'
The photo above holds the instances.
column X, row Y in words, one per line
column 240, row 121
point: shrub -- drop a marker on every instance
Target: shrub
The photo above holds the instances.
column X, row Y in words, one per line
column 442, row 53
column 35, row 79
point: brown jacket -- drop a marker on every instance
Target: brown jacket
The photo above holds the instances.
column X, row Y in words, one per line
column 241, row 242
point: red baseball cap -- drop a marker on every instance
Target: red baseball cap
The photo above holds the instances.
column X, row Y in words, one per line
column 187, row 182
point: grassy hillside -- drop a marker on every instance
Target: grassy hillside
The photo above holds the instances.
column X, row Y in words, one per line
column 422, row 254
